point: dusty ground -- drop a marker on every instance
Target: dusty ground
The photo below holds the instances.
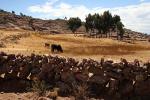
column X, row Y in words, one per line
column 29, row 96
column 75, row 46
column 16, row 96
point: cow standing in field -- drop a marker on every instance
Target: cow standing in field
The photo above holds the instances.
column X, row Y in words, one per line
column 55, row 47
column 47, row 45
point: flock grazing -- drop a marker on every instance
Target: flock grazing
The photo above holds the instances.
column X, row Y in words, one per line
column 103, row 79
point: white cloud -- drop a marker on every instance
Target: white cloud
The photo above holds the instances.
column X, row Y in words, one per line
column 46, row 8
column 142, row 0
column 135, row 17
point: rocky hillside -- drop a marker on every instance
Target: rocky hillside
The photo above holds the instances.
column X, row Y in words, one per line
column 9, row 20
column 134, row 34
column 12, row 21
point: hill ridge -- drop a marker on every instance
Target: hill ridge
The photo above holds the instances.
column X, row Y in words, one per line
column 9, row 20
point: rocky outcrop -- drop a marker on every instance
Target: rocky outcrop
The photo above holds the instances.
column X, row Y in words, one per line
column 136, row 35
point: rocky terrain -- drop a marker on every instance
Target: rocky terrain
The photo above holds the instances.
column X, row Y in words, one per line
column 9, row 20
column 22, row 22
column 136, row 35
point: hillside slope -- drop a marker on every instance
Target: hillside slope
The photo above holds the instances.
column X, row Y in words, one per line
column 22, row 22
column 11, row 21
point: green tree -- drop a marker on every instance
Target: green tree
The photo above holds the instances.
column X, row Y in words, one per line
column 116, row 19
column 74, row 24
column 120, row 30
column 98, row 23
column 1, row 10
column 107, row 22
column 89, row 24
column 104, row 24
column 21, row 14
column 118, row 25
column 13, row 12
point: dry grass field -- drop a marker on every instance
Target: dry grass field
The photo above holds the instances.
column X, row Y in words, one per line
column 75, row 46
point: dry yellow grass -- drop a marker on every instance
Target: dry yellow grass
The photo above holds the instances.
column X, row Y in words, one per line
column 79, row 47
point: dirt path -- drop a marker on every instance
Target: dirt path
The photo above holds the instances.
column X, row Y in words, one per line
column 16, row 96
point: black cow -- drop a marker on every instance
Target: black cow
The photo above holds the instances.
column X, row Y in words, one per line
column 55, row 47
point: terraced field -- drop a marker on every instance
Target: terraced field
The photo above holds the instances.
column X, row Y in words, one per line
column 74, row 46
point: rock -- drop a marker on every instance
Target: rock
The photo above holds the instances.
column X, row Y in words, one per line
column 44, row 98
column 2, row 45
column 139, row 77
column 65, row 98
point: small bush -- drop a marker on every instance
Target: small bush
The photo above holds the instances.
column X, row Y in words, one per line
column 80, row 91
column 39, row 87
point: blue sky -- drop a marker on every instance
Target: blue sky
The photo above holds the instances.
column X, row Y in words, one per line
column 135, row 14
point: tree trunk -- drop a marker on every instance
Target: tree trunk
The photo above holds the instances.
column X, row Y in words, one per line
column 117, row 36
column 106, row 33
column 109, row 34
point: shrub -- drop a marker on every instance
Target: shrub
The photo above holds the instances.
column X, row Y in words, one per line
column 39, row 87
column 74, row 24
column 80, row 91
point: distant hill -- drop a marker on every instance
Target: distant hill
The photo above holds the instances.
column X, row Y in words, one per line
column 10, row 20
column 134, row 34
